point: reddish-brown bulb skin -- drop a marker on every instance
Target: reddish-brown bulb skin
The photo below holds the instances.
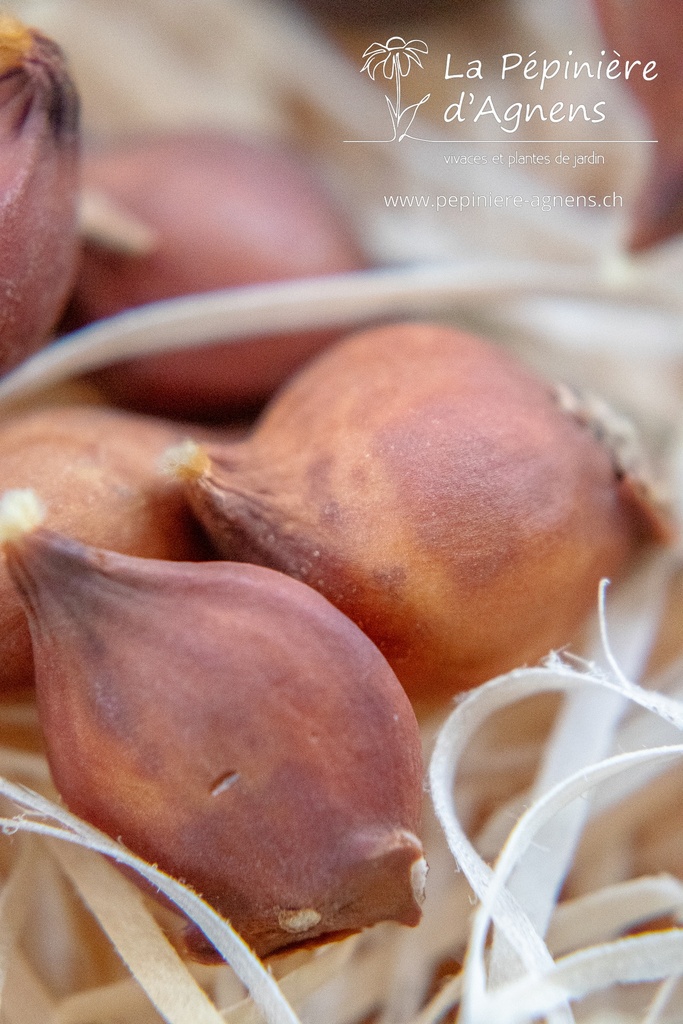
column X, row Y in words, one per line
column 39, row 170
column 225, row 212
column 435, row 491
column 231, row 726
column 653, row 33
column 98, row 472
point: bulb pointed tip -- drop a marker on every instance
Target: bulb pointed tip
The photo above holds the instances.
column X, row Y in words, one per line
column 21, row 512
column 185, row 461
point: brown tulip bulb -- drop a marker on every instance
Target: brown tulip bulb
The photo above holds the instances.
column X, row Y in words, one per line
column 436, row 492
column 652, row 36
column 229, row 725
column 97, row 469
column 39, row 143
column 222, row 212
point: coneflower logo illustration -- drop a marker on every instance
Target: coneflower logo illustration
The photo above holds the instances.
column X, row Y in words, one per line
column 395, row 59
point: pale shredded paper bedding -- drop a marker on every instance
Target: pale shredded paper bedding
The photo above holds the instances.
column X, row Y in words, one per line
column 553, row 821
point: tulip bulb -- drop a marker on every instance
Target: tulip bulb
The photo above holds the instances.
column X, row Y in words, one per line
column 652, row 36
column 39, row 142
column 437, row 493
column 230, row 725
column 221, row 212
column 96, row 469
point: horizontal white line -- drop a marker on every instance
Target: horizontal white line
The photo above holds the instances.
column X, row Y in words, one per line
column 520, row 142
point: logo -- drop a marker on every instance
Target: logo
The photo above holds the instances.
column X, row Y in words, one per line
column 395, row 59
column 554, row 88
